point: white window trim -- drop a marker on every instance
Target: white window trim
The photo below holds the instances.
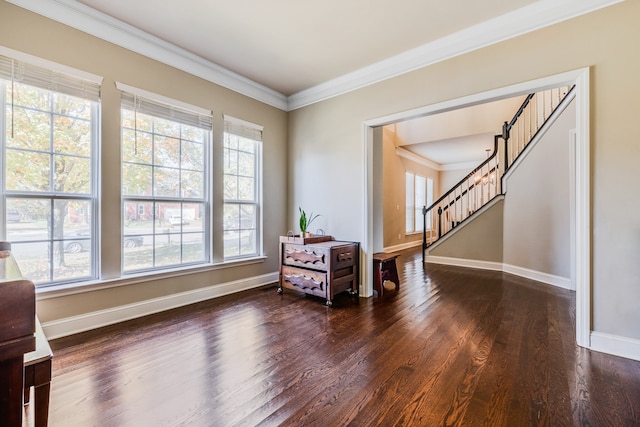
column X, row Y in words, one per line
column 417, row 214
column 207, row 199
column 50, row 65
column 241, row 122
column 93, row 196
column 162, row 99
column 259, row 187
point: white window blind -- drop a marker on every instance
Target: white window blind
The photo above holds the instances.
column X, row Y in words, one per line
column 176, row 111
column 242, row 128
column 21, row 72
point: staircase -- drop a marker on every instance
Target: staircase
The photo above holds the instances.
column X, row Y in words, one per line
column 484, row 183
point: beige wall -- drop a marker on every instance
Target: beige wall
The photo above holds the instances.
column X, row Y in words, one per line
column 32, row 34
column 537, row 203
column 394, row 168
column 605, row 41
column 449, row 178
column 479, row 239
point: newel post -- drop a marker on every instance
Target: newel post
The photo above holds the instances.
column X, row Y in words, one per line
column 424, row 231
column 505, row 136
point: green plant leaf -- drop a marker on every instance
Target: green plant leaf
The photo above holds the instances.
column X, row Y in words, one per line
column 306, row 220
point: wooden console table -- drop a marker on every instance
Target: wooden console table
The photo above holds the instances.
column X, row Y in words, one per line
column 319, row 266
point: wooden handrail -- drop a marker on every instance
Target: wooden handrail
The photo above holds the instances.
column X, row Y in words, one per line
column 469, row 175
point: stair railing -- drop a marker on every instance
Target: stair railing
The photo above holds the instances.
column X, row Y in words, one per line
column 471, row 193
column 530, row 118
column 484, row 183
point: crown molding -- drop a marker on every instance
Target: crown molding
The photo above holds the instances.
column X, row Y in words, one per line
column 527, row 19
column 410, row 155
column 521, row 21
column 98, row 24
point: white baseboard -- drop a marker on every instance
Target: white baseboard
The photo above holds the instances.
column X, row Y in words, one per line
column 460, row 262
column 402, row 246
column 602, row 342
column 550, row 279
column 96, row 319
column 616, row 345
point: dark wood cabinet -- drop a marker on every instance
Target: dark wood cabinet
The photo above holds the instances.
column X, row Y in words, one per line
column 319, row 266
column 17, row 327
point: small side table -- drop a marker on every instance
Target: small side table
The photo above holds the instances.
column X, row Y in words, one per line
column 384, row 268
column 37, row 374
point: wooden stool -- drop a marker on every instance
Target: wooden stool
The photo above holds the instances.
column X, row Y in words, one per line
column 37, row 374
column 384, row 268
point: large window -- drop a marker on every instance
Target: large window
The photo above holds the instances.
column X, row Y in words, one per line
column 419, row 193
column 242, row 188
column 49, row 141
column 165, row 148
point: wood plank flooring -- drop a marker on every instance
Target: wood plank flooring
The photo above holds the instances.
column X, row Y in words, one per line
column 454, row 347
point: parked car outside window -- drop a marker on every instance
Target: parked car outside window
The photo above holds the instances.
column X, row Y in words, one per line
column 176, row 220
column 14, row 215
column 84, row 244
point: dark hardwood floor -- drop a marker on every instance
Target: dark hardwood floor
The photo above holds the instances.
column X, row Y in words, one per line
column 454, row 347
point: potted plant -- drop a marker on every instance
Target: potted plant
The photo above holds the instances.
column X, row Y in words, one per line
column 305, row 222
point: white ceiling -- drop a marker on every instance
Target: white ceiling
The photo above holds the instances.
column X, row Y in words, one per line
column 456, row 137
column 292, row 45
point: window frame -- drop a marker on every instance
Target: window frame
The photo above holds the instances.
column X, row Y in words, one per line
column 253, row 132
column 159, row 107
column 78, row 85
column 410, row 202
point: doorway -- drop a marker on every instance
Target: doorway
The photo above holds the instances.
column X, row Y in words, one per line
column 580, row 223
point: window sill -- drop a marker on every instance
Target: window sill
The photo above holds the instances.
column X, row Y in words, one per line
column 60, row 290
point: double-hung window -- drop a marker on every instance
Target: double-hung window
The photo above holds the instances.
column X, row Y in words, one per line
column 49, row 144
column 419, row 193
column 165, row 174
column 242, row 188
